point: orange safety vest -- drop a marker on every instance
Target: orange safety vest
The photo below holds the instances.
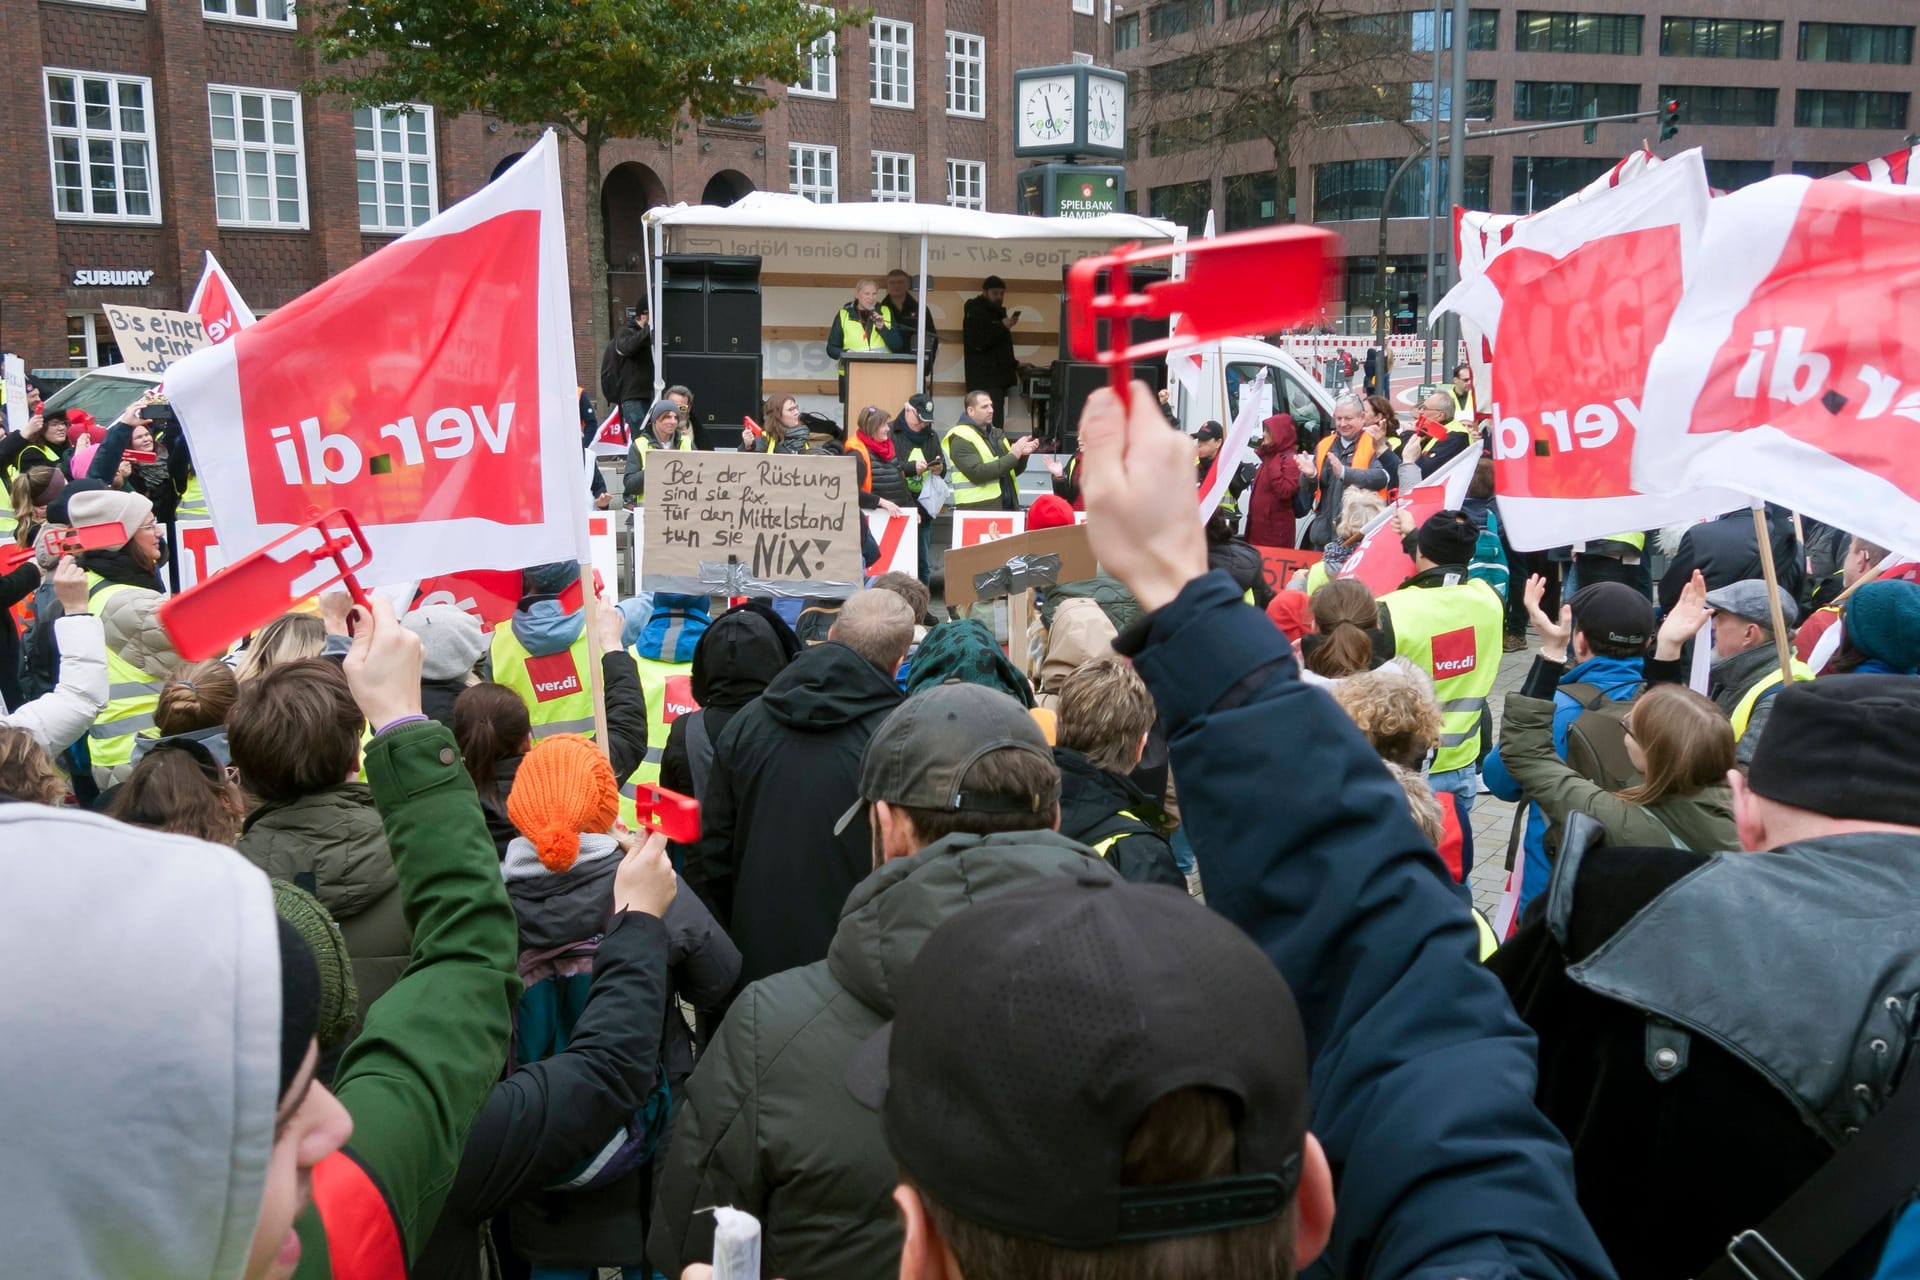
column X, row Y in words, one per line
column 856, row 445
column 1362, row 453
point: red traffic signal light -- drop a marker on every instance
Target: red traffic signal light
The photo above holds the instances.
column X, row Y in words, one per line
column 1670, row 119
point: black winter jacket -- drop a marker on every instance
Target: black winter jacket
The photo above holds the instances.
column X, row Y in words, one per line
column 784, row 769
column 1380, row 954
column 769, row 1126
column 1096, row 805
column 1725, row 551
column 632, row 358
column 736, row 657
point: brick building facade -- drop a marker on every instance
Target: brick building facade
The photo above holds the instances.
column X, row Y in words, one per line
column 1789, row 87
column 151, row 130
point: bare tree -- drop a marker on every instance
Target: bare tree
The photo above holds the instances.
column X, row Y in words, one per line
column 1269, row 71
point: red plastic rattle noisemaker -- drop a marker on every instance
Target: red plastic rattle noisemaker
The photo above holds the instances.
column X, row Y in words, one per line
column 255, row 589
column 68, row 542
column 673, row 815
column 1247, row 282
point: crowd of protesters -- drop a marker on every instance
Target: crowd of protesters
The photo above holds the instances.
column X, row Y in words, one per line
column 1145, row 949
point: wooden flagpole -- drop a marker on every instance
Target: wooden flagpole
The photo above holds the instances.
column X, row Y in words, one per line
column 590, row 602
column 1782, row 642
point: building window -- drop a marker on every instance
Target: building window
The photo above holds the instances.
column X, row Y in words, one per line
column 393, row 154
column 1080, row 59
column 1849, row 109
column 259, row 171
column 90, row 340
column 893, row 177
column 820, row 65
column 118, row 4
column 1722, row 104
column 1855, row 42
column 266, row 13
column 1719, row 38
column 1171, row 137
column 1420, row 100
column 1731, row 175
column 1176, row 76
column 1177, row 17
column 814, row 172
column 1351, row 189
column 1183, row 202
column 966, row 75
column 1126, row 32
column 892, row 66
column 1554, row 179
column 1567, row 100
column 100, row 132
column 1241, row 8
column 967, row 184
column 1535, row 32
column 1083, row 6
column 1251, row 201
column 1483, row 30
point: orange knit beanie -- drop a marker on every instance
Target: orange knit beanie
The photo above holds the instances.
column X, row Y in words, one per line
column 564, row 787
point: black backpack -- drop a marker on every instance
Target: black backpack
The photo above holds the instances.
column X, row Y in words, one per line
column 1597, row 738
column 610, row 362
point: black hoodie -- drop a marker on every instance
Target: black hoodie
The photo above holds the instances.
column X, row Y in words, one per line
column 1096, row 805
column 784, row 769
column 741, row 651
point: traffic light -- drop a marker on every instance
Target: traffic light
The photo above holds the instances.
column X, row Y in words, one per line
column 1670, row 119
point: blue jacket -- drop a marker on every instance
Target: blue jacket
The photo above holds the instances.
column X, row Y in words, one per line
column 1433, row 1181
column 1615, row 677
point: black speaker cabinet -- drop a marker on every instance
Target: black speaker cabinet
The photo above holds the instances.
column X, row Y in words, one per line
column 1143, row 330
column 1074, row 381
column 726, row 389
column 710, row 305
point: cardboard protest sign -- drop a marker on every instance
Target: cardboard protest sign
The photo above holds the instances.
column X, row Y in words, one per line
column 428, row 388
column 151, row 341
column 965, row 566
column 218, row 303
column 971, row 528
column 15, row 372
column 739, row 524
column 1279, row 564
column 1788, row 372
column 1575, row 300
column 899, row 542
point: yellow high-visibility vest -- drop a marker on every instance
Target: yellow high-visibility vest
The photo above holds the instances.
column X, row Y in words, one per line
column 854, row 335
column 1454, row 633
column 556, row 687
column 965, row 492
column 1743, row 711
column 132, row 694
column 667, row 688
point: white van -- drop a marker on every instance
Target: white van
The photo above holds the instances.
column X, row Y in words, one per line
column 1233, row 363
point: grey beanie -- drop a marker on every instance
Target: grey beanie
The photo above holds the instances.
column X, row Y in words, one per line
column 451, row 638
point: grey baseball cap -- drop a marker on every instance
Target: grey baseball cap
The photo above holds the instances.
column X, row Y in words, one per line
column 921, row 754
column 1747, row 599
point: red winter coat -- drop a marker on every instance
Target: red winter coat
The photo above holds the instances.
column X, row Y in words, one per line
column 1270, row 500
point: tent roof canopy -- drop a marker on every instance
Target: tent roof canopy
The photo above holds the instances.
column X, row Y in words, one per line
column 783, row 211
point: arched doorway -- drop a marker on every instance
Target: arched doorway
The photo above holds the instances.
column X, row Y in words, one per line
column 627, row 192
column 504, row 165
column 725, row 187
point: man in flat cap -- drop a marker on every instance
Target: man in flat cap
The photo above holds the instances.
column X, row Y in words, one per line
column 1715, row 1027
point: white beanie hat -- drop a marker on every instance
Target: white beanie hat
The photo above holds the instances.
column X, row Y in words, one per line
column 109, row 506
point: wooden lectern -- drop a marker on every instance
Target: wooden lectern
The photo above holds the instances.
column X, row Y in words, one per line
column 881, row 378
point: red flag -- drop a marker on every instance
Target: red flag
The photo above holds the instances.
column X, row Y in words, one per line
column 218, row 303
column 1380, row 561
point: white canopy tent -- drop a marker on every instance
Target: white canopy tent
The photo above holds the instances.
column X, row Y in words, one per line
column 866, row 238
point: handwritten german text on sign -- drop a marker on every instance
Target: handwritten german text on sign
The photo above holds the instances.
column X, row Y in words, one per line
column 739, row 525
column 151, row 340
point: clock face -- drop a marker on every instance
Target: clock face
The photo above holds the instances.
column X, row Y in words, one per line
column 1046, row 112
column 1106, row 113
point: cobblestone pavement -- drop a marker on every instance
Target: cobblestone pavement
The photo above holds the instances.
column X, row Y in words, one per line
column 1492, row 818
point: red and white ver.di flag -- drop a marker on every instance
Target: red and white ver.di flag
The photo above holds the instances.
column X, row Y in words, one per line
column 1380, row 560
column 1576, row 299
column 1789, row 371
column 429, row 389
column 218, row 304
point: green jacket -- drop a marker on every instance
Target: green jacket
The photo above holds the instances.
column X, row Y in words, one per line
column 1702, row 821
column 334, row 845
column 768, row 1125
column 434, row 1045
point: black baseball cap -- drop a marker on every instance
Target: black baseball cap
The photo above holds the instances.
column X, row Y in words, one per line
column 1210, row 431
column 1614, row 612
column 1036, row 1028
column 921, row 753
column 922, row 405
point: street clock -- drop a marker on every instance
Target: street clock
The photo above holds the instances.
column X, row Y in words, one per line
column 1070, row 111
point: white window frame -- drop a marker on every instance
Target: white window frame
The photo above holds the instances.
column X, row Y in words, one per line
column 116, row 137
column 967, row 184
column 824, row 52
column 1083, row 6
column 822, row 159
column 893, row 177
column 380, row 157
column 269, row 148
column 136, row 5
column 884, row 37
column 224, row 14
column 966, row 70
column 96, row 324
column 1081, row 59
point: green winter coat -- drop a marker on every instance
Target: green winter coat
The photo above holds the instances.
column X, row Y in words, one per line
column 333, row 844
column 434, row 1045
column 1702, row 821
column 768, row 1125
